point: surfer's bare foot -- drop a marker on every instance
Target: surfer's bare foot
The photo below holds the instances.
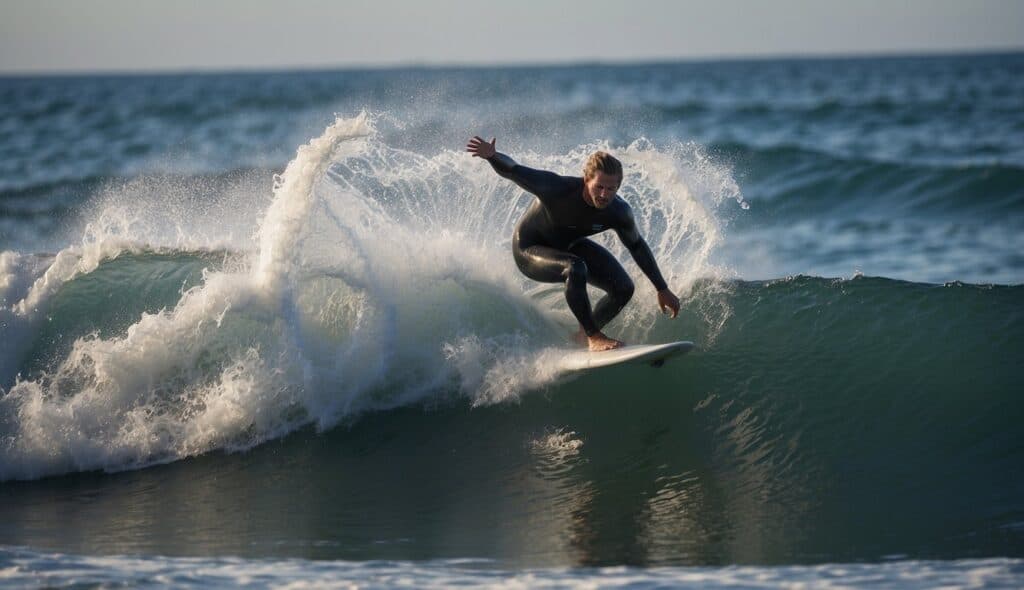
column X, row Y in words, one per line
column 599, row 342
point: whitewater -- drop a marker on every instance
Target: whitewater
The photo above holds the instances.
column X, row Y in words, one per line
column 378, row 278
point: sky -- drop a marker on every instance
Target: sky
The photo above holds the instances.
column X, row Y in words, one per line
column 38, row 36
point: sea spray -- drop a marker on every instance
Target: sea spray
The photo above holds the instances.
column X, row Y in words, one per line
column 148, row 214
column 220, row 370
column 284, row 222
column 380, row 277
column 147, row 396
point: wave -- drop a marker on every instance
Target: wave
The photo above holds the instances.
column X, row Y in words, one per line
column 780, row 363
column 380, row 278
column 838, row 419
column 798, row 182
column 376, row 278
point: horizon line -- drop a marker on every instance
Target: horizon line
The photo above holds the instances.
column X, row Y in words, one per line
column 512, row 64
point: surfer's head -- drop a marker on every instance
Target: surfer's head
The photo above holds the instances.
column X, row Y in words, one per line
column 602, row 176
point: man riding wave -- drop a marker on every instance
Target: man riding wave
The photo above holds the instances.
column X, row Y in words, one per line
column 550, row 242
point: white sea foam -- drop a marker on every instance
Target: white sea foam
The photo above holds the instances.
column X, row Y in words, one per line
column 378, row 278
column 23, row 567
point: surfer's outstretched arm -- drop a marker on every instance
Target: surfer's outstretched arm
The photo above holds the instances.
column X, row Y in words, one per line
column 538, row 182
column 641, row 253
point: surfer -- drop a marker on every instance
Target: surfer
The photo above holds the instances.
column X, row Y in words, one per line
column 550, row 242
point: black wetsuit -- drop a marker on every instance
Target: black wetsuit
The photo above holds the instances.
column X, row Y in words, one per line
column 550, row 242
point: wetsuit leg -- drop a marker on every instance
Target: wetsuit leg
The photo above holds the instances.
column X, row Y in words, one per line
column 550, row 265
column 605, row 273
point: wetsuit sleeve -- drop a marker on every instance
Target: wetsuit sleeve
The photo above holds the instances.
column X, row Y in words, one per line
column 539, row 182
column 639, row 250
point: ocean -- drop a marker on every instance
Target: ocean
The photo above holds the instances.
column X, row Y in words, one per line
column 265, row 329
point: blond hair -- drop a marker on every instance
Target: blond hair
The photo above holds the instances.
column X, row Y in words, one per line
column 602, row 162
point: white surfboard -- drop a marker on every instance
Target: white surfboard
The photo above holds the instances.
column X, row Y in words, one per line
column 652, row 354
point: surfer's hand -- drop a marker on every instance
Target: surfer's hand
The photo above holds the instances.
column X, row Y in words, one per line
column 668, row 302
column 480, row 148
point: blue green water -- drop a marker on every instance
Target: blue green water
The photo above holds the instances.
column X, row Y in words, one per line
column 216, row 348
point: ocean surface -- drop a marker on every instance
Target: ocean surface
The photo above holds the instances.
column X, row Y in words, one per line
column 265, row 328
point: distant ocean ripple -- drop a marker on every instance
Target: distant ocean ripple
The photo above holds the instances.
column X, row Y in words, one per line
column 902, row 139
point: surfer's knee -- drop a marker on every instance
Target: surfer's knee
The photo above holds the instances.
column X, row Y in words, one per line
column 576, row 272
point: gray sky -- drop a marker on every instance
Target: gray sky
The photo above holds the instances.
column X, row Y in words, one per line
column 104, row 35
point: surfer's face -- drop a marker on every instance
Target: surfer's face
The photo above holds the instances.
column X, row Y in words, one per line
column 602, row 188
